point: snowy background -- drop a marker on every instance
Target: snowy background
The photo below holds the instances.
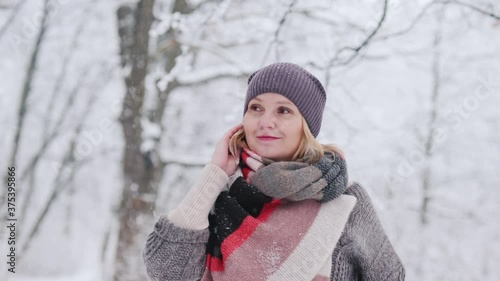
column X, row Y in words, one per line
column 413, row 96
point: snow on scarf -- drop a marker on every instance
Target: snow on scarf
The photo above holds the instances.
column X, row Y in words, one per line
column 280, row 221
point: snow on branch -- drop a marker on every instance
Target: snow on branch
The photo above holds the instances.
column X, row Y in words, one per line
column 211, row 73
column 218, row 51
column 184, row 161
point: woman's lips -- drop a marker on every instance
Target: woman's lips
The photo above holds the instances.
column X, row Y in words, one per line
column 267, row 138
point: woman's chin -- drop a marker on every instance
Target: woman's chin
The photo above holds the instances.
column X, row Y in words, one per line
column 269, row 152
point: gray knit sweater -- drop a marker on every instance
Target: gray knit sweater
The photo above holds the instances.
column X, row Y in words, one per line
column 363, row 251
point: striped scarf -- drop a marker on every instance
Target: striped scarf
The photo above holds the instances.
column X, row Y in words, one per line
column 280, row 221
column 251, row 163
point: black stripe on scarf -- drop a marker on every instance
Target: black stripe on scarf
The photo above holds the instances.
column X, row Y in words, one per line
column 334, row 170
column 230, row 209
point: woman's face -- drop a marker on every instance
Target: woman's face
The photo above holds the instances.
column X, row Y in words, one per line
column 273, row 126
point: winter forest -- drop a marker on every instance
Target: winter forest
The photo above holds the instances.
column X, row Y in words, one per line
column 109, row 110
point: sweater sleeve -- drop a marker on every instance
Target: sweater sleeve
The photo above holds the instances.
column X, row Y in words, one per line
column 364, row 251
column 176, row 249
column 175, row 254
column 193, row 210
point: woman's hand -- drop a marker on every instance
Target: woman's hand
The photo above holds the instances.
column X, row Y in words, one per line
column 221, row 157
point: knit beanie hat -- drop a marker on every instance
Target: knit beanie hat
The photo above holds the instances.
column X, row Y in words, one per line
column 296, row 84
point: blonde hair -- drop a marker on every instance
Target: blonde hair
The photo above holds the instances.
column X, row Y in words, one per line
column 310, row 150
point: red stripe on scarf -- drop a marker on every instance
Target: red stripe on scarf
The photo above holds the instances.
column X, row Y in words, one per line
column 237, row 238
column 245, row 156
column 245, row 170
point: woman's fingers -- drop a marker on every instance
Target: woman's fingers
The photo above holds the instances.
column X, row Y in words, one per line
column 221, row 156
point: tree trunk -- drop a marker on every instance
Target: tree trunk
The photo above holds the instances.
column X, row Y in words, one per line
column 139, row 185
column 23, row 103
column 429, row 142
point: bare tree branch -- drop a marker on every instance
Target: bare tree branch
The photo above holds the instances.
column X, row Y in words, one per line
column 201, row 76
column 310, row 15
column 277, row 32
column 11, row 18
column 429, row 142
column 49, row 137
column 22, row 111
column 472, row 7
column 138, row 176
column 62, row 178
column 218, row 51
column 425, row 10
column 355, row 50
column 412, row 25
column 184, row 163
column 30, row 169
column 203, row 3
column 335, row 61
column 61, row 78
column 27, row 84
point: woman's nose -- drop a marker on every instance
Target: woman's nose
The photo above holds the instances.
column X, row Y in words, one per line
column 267, row 121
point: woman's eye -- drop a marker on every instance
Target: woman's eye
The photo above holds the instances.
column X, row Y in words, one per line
column 255, row 107
column 284, row 110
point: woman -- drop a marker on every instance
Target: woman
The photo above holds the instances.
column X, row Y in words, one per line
column 273, row 203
